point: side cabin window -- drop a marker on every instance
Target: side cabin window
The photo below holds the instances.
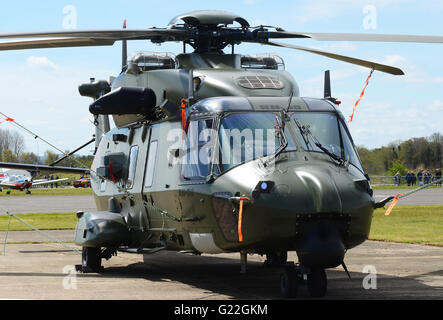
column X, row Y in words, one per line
column 196, row 163
column 131, row 168
column 152, row 155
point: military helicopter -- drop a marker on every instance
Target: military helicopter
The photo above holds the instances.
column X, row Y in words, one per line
column 217, row 152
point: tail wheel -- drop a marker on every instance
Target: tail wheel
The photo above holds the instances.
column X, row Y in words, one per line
column 92, row 259
column 317, row 283
column 289, row 283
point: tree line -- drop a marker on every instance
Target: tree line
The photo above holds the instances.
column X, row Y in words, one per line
column 12, row 149
column 402, row 156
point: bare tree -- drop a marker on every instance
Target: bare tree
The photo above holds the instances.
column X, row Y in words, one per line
column 17, row 143
column 11, row 140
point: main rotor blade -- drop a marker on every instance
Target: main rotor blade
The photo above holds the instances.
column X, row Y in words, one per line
column 363, row 63
column 86, row 38
column 117, row 34
column 356, row 37
column 54, row 43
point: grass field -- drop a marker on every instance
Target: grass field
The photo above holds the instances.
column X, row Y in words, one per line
column 42, row 221
column 408, row 224
column 48, row 192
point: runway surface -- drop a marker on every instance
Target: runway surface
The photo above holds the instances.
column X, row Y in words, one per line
column 73, row 203
column 429, row 196
column 40, row 204
column 44, row 271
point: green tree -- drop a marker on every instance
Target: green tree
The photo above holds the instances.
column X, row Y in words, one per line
column 50, row 157
column 28, row 157
column 9, row 156
column 397, row 166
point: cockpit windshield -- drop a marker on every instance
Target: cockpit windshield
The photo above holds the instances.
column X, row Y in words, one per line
column 250, row 135
column 330, row 132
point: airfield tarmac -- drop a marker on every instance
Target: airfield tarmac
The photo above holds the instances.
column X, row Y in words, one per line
column 46, row 204
column 39, row 271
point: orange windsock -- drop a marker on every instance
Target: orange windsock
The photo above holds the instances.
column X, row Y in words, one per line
column 361, row 96
column 394, row 202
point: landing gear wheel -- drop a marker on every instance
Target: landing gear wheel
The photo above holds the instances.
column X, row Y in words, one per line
column 28, row 192
column 92, row 259
column 289, row 283
column 274, row 259
column 317, row 283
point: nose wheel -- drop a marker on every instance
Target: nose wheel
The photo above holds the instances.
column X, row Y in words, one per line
column 294, row 275
column 91, row 260
column 289, row 281
column 317, row 283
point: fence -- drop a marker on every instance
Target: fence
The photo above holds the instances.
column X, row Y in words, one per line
column 401, row 181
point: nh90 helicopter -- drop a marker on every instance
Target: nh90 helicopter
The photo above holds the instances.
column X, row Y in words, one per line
column 175, row 175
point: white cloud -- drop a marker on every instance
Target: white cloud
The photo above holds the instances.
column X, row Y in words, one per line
column 333, row 47
column 42, row 62
column 436, row 105
column 314, row 10
column 52, row 107
column 413, row 73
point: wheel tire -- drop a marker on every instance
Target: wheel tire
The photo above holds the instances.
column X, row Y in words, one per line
column 91, row 259
column 317, row 283
column 289, row 283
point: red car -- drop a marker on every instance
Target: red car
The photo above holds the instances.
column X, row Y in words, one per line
column 82, row 183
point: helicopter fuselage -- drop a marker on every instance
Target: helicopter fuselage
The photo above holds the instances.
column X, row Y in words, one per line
column 311, row 204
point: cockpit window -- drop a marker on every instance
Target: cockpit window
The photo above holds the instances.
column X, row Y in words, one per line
column 247, row 136
column 330, row 132
column 132, row 165
column 324, row 126
column 199, row 149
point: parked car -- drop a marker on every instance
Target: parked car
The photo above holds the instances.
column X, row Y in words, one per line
column 82, row 183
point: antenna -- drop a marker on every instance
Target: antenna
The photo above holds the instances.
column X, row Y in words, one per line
column 327, row 88
column 124, row 49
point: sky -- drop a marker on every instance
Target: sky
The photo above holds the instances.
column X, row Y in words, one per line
column 39, row 88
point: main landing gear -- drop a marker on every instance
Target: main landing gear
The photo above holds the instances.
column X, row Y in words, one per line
column 295, row 275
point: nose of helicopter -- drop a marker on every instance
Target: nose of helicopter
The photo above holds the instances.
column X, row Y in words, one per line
column 308, row 209
column 301, row 190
